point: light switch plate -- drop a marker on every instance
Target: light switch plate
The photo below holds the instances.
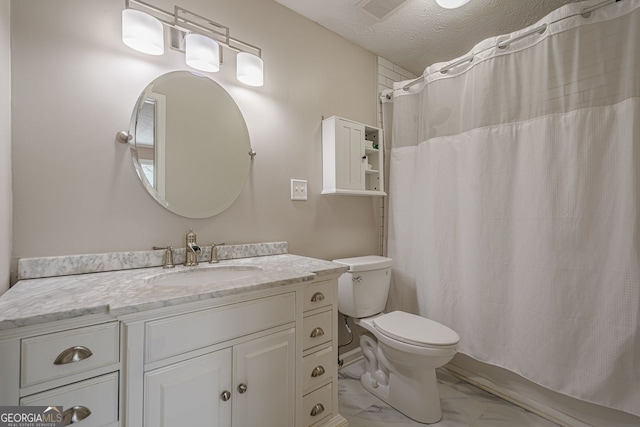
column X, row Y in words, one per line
column 298, row 189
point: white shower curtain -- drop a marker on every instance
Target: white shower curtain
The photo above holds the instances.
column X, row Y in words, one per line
column 514, row 196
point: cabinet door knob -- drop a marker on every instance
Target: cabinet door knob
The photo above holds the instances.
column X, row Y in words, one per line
column 317, row 297
column 317, row 371
column 73, row 354
column 242, row 388
column 226, row 395
column 75, row 415
column 317, row 332
column 317, row 409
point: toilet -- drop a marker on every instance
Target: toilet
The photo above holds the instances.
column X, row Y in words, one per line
column 402, row 350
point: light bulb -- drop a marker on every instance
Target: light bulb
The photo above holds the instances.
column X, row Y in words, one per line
column 250, row 69
column 202, row 53
column 142, row 32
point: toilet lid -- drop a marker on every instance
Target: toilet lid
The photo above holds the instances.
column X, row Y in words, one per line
column 416, row 330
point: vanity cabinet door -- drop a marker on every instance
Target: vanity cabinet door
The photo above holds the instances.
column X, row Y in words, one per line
column 190, row 393
column 264, row 382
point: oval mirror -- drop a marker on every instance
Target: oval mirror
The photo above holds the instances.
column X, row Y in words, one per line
column 190, row 144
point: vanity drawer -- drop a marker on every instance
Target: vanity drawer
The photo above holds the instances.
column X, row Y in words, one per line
column 176, row 335
column 52, row 356
column 317, row 406
column 318, row 295
column 317, row 329
column 316, row 368
column 99, row 395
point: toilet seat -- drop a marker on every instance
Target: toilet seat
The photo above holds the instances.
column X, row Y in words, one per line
column 415, row 330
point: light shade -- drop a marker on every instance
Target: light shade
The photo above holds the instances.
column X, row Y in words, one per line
column 451, row 4
column 142, row 32
column 202, row 53
column 249, row 69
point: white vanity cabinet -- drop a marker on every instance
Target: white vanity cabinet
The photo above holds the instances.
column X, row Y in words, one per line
column 249, row 384
column 190, row 391
column 262, row 354
column 72, row 363
column 235, row 361
column 352, row 158
column 264, row 381
column 319, row 350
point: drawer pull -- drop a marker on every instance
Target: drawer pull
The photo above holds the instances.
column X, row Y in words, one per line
column 317, row 332
column 317, row 371
column 317, row 297
column 225, row 396
column 73, row 354
column 317, row 409
column 75, row 415
column 242, row 388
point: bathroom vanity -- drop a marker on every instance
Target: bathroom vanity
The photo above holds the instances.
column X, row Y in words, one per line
column 246, row 342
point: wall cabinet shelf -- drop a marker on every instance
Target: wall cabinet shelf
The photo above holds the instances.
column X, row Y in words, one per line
column 352, row 158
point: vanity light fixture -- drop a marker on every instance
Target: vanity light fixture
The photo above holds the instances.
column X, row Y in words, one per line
column 249, row 69
column 451, row 4
column 142, row 32
column 198, row 37
column 202, row 53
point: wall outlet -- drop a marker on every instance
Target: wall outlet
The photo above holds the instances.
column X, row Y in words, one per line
column 298, row 189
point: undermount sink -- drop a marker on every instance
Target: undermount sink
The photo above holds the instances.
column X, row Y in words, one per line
column 203, row 275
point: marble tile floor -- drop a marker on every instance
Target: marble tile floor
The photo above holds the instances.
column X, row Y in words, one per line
column 463, row 405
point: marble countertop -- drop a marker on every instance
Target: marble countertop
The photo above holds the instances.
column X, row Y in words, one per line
column 42, row 300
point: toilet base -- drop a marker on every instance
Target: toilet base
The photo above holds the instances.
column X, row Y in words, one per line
column 403, row 375
column 416, row 397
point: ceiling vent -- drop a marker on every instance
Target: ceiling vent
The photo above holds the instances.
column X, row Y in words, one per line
column 380, row 9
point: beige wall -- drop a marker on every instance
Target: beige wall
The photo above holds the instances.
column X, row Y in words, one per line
column 387, row 74
column 5, row 146
column 75, row 85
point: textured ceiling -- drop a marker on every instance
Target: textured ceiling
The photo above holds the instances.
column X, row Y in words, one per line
column 420, row 32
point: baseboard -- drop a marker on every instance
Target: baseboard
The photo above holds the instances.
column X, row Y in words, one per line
column 350, row 357
column 336, row 421
column 557, row 407
column 517, row 399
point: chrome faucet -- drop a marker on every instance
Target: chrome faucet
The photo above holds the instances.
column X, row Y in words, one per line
column 192, row 250
column 214, row 253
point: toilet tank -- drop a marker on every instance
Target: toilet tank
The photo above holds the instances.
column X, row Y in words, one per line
column 363, row 290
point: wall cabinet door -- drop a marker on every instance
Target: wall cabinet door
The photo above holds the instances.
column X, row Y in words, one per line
column 189, row 393
column 349, row 155
column 264, row 382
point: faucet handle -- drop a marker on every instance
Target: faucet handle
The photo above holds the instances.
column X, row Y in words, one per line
column 168, row 256
column 214, row 252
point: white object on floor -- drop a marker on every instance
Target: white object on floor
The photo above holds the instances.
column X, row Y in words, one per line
column 463, row 405
column 403, row 349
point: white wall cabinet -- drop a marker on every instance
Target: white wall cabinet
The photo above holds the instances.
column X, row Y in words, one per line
column 352, row 158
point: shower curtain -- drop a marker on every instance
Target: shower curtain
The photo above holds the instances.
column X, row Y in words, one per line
column 514, row 196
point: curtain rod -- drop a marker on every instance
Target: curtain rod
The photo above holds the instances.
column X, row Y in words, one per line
column 585, row 13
